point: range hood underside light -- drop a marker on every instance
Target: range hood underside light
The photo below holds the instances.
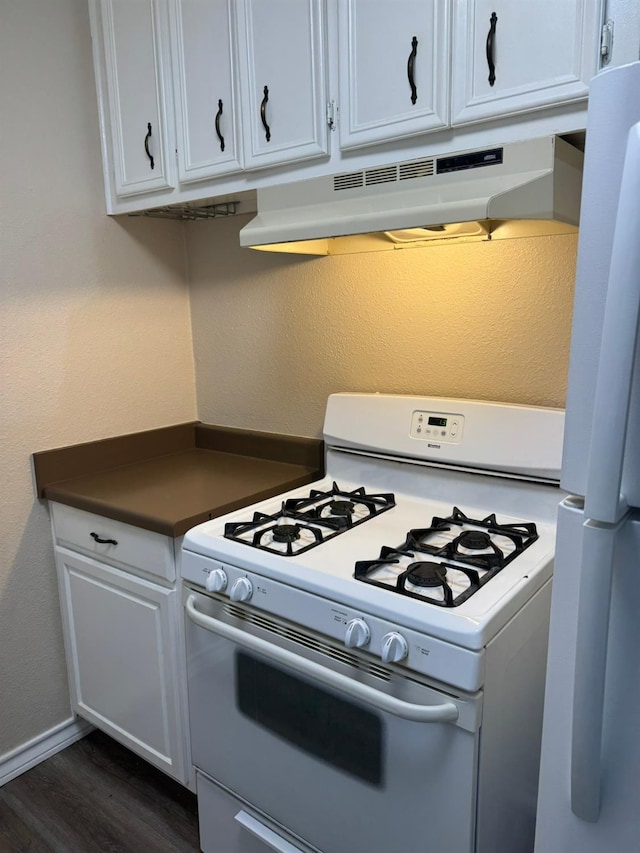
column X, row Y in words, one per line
column 531, row 189
column 380, row 241
column 452, row 233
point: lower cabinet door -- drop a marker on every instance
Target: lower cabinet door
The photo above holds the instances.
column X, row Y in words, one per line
column 121, row 639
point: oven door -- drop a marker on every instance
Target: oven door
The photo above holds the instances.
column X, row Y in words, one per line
column 343, row 752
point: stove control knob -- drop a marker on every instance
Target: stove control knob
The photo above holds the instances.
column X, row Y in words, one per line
column 394, row 647
column 216, row 580
column 242, row 590
column 357, row 634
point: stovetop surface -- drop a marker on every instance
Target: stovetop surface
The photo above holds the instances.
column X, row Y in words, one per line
column 420, row 493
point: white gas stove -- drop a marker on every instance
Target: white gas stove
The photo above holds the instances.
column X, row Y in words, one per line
column 425, row 552
column 450, row 552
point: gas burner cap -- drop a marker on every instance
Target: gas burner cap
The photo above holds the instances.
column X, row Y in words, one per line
column 426, row 574
column 342, row 507
column 475, row 540
column 286, row 532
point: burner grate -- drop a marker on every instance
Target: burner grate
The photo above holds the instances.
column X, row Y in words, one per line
column 303, row 523
column 477, row 535
column 353, row 507
column 403, row 581
column 468, row 559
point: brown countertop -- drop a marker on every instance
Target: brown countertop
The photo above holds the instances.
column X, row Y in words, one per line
column 170, row 479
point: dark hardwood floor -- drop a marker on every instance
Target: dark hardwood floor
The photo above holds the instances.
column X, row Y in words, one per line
column 96, row 796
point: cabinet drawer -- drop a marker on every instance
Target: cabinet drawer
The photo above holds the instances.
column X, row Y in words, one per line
column 139, row 551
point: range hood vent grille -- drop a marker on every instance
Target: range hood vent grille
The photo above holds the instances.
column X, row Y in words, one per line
column 416, row 169
column 352, row 181
column 381, row 175
column 384, row 175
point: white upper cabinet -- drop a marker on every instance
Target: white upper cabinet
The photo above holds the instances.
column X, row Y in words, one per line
column 136, row 58
column 282, row 59
column 512, row 56
column 207, row 106
column 208, row 98
column 393, row 69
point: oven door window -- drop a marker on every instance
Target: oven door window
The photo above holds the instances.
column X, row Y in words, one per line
column 328, row 727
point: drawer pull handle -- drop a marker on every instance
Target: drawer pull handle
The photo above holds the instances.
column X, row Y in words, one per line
column 491, row 62
column 410, row 64
column 263, row 114
column 146, row 145
column 97, row 538
column 218, row 117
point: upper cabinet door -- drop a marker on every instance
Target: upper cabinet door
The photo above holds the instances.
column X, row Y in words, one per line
column 282, row 50
column 136, row 49
column 511, row 56
column 207, row 112
column 394, row 69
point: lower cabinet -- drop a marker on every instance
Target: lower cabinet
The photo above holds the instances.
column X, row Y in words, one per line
column 122, row 639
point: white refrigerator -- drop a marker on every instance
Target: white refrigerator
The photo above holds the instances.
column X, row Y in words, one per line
column 589, row 794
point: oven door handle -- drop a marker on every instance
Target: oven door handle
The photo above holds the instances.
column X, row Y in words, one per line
column 447, row 712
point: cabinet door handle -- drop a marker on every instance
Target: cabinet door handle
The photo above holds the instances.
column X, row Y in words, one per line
column 263, row 113
column 490, row 48
column 410, row 64
column 218, row 115
column 97, row 538
column 146, row 145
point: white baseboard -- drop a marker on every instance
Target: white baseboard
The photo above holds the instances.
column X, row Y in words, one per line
column 43, row 746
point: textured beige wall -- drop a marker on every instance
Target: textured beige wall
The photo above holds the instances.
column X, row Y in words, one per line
column 275, row 334
column 94, row 328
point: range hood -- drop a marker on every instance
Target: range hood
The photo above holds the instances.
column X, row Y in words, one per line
column 520, row 189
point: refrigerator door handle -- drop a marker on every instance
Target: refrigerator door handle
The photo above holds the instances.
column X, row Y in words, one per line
column 594, row 602
column 603, row 500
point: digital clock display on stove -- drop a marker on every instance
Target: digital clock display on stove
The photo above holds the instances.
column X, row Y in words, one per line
column 441, row 422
